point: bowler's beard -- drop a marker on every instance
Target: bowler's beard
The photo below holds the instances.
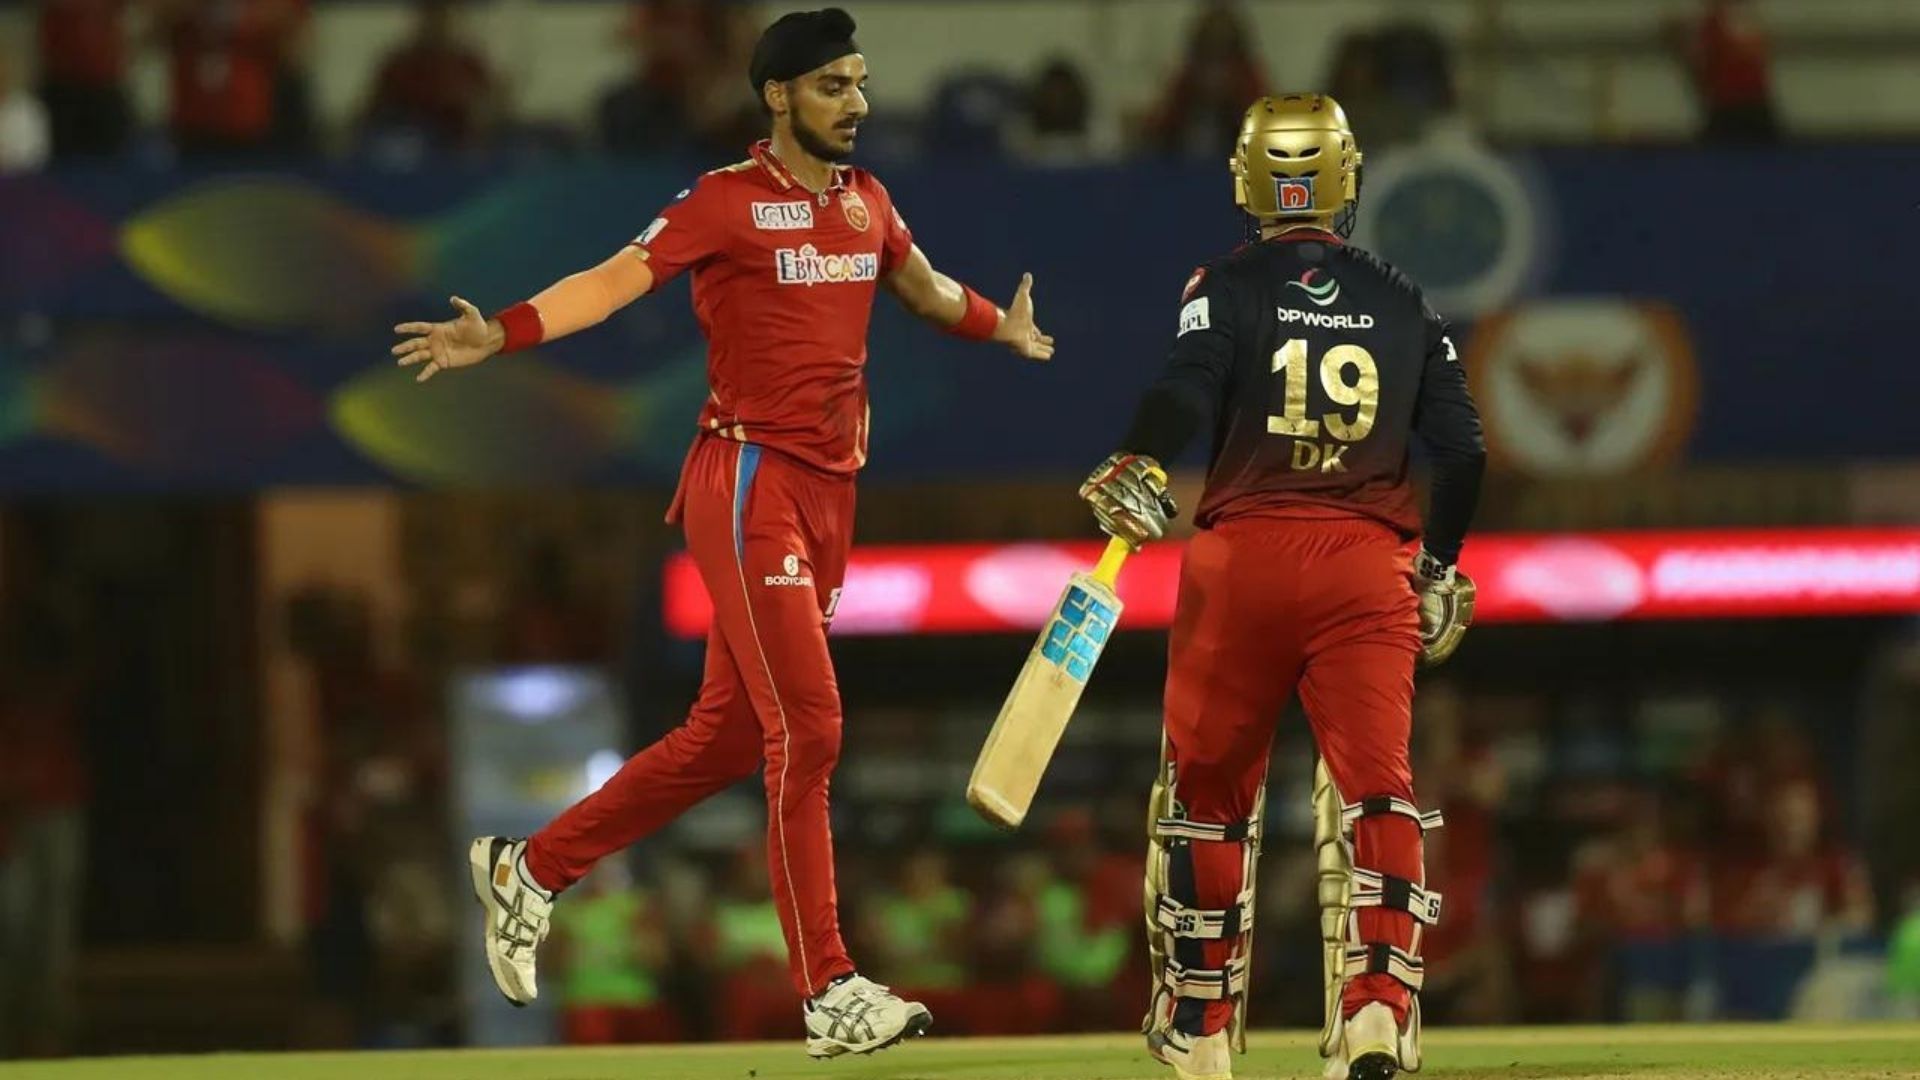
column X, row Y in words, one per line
column 814, row 143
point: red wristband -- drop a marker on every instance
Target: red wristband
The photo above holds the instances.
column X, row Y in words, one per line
column 980, row 321
column 522, row 324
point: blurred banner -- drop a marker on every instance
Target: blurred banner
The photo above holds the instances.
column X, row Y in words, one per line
column 1591, row 577
column 1620, row 309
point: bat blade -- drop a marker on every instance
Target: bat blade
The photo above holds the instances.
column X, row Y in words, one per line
column 1035, row 714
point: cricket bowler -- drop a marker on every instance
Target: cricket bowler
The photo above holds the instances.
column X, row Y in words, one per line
column 1310, row 362
column 786, row 250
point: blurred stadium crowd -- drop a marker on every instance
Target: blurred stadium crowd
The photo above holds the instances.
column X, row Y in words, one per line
column 238, row 87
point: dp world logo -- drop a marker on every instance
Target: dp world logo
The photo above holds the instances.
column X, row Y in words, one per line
column 1323, row 291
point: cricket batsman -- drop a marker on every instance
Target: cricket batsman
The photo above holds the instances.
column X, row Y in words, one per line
column 786, row 250
column 1310, row 363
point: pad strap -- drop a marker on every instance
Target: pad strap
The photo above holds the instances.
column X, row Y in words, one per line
column 1206, row 984
column 1371, row 889
column 1388, row 804
column 1171, row 828
column 1381, row 958
column 1182, row 921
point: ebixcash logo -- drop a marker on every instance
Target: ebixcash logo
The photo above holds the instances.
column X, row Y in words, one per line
column 791, row 574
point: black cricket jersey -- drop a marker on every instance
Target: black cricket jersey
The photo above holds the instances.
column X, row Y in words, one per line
column 1313, row 363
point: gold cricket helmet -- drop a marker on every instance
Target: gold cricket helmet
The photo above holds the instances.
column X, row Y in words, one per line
column 1296, row 158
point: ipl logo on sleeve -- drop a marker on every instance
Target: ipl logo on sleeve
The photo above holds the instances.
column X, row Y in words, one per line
column 1293, row 192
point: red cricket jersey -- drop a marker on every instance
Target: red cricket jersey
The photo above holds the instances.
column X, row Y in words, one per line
column 783, row 285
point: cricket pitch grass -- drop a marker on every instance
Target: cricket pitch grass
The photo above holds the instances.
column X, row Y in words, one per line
column 1771, row 1052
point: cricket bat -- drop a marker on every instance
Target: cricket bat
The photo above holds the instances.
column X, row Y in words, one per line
column 1037, row 709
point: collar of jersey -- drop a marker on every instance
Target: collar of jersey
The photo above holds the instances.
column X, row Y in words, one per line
column 783, row 177
column 1294, row 236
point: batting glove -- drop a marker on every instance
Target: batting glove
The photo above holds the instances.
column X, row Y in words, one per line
column 1128, row 493
column 1446, row 607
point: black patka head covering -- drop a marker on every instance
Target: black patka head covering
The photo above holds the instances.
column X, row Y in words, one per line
column 798, row 43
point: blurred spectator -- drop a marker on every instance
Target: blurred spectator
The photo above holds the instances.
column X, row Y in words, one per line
column 972, row 114
column 1801, row 882
column 922, row 925
column 1742, row 774
column 1357, row 83
column 294, row 129
column 649, row 113
column 1057, row 126
column 375, row 933
column 43, row 796
column 226, row 60
column 608, row 950
column 727, row 113
column 83, row 76
column 1413, row 66
column 1903, row 955
column 1464, row 778
column 1010, row 995
column 1199, row 114
column 918, row 931
column 549, row 619
column 1085, row 937
column 435, row 87
column 1286, row 978
column 1646, row 892
column 24, row 137
column 1772, row 906
column 1729, row 57
column 748, row 949
column 1889, row 799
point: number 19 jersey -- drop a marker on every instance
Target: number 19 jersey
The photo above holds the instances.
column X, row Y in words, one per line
column 1317, row 361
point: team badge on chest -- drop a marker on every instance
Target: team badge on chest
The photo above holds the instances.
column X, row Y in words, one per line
column 856, row 210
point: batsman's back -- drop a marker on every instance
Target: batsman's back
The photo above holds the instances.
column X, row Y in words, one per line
column 1331, row 360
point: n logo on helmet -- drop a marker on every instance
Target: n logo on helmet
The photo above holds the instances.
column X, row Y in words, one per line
column 1293, row 192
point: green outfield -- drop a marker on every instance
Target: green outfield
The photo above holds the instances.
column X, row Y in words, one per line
column 1862, row 1051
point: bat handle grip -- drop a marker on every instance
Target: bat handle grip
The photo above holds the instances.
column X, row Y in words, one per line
column 1107, row 570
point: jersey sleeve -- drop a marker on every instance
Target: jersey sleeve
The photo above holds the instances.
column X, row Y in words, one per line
column 899, row 238
column 1448, row 425
column 689, row 232
column 1191, row 391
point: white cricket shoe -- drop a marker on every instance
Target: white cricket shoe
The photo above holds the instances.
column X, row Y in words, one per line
column 1193, row 1057
column 518, row 913
column 858, row 1016
column 1371, row 1044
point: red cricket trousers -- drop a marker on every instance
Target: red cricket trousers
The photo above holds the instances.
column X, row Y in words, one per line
column 770, row 537
column 1268, row 606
